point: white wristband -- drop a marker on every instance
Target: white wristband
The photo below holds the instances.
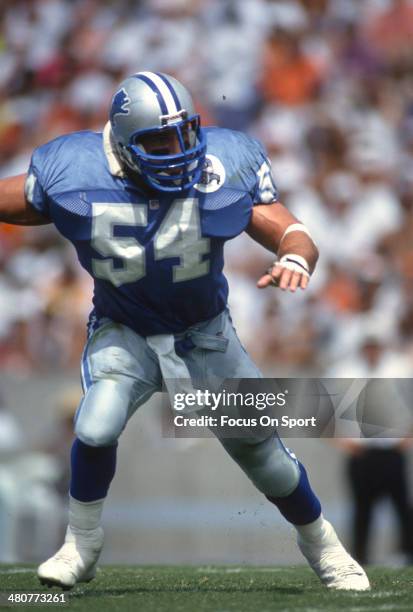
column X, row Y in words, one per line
column 295, row 263
column 296, row 227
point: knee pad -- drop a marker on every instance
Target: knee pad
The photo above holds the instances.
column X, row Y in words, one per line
column 104, row 411
column 267, row 464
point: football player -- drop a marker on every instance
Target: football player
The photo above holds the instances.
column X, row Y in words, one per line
column 148, row 205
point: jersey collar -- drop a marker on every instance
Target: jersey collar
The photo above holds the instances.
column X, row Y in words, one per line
column 110, row 152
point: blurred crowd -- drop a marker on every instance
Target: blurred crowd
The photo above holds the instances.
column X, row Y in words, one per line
column 327, row 85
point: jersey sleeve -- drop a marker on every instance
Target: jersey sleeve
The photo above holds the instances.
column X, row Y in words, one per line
column 42, row 176
column 264, row 190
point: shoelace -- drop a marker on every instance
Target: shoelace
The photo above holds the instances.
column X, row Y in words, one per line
column 65, row 557
column 334, row 564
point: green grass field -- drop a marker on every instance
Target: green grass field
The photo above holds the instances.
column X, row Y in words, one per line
column 217, row 589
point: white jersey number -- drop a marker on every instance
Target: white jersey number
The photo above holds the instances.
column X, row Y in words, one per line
column 105, row 219
column 178, row 236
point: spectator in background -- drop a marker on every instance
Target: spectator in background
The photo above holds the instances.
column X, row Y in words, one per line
column 327, row 85
column 376, row 470
column 376, row 465
column 390, row 34
column 288, row 76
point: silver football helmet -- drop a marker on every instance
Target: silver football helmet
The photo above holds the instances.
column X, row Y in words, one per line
column 153, row 105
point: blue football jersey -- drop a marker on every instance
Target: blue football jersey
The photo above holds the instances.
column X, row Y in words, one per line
column 157, row 259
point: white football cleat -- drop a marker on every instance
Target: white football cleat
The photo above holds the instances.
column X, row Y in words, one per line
column 331, row 562
column 75, row 561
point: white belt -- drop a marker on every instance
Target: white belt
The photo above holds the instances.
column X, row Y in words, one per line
column 174, row 370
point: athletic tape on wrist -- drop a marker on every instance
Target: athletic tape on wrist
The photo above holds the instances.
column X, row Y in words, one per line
column 295, row 263
column 296, row 227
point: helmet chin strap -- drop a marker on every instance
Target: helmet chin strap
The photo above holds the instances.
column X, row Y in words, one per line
column 124, row 158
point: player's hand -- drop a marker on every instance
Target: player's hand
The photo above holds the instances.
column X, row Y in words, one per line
column 289, row 273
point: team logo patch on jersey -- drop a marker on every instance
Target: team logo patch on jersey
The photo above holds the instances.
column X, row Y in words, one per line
column 120, row 105
column 213, row 175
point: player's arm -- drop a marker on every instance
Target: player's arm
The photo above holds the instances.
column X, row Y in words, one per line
column 14, row 207
column 275, row 228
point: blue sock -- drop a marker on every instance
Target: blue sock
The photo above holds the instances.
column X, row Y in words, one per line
column 301, row 506
column 93, row 468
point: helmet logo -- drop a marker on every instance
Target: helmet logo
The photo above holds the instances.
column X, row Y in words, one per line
column 120, row 104
column 213, row 175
